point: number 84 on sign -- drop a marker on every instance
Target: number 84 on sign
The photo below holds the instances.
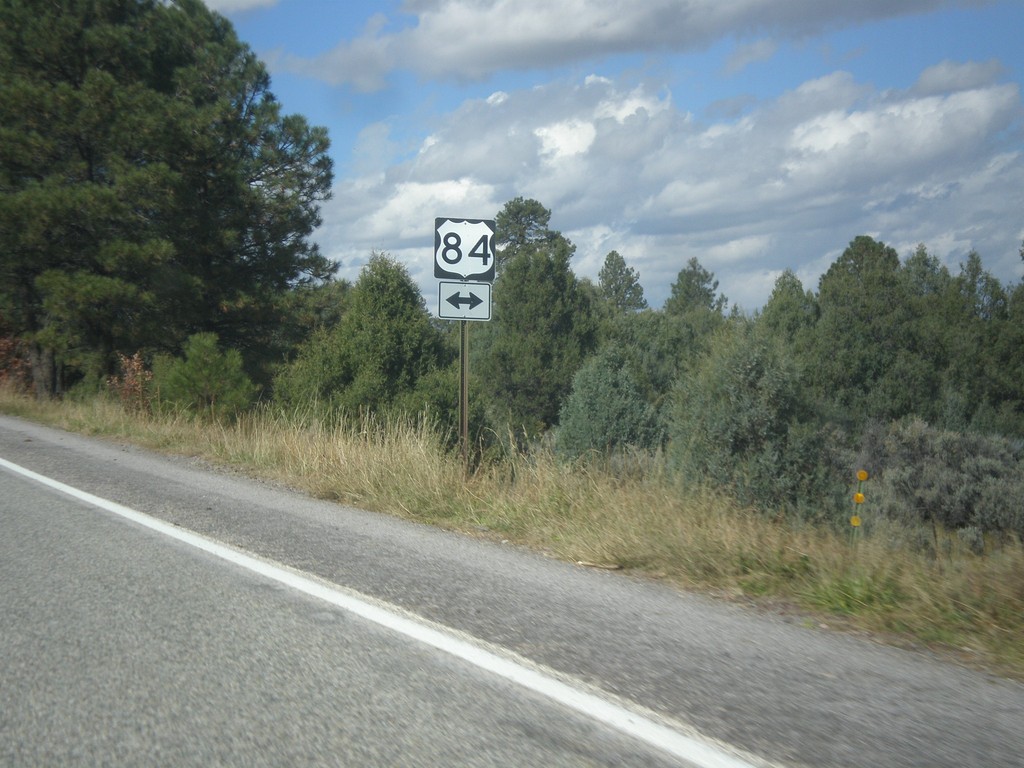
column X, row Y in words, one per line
column 464, row 249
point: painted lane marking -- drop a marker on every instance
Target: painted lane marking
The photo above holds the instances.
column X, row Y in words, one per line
column 647, row 726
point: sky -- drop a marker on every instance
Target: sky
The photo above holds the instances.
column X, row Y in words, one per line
column 754, row 135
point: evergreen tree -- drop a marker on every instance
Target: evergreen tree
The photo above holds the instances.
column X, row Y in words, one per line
column 982, row 295
column 927, row 287
column 521, row 225
column 1008, row 372
column 542, row 330
column 658, row 347
column 149, row 186
column 606, row 411
column 692, row 314
column 925, row 276
column 983, row 351
column 378, row 352
column 307, row 310
column 741, row 419
column 695, row 289
column 790, row 312
column 620, row 285
column 867, row 362
column 207, row 379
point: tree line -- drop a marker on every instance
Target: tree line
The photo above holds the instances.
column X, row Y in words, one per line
column 155, row 215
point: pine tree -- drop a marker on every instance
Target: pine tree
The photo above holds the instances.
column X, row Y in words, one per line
column 149, row 185
column 543, row 329
column 866, row 362
column 620, row 284
column 695, row 289
column 381, row 348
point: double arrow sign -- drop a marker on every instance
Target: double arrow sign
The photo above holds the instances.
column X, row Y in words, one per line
column 464, row 301
column 472, row 301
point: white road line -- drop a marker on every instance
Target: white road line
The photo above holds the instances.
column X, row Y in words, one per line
column 646, row 726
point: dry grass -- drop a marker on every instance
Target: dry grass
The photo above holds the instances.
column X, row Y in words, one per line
column 693, row 536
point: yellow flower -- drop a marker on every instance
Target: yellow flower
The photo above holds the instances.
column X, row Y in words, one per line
column 862, row 475
column 855, row 521
column 858, row 498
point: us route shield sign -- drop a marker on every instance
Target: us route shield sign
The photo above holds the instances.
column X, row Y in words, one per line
column 464, row 249
column 464, row 301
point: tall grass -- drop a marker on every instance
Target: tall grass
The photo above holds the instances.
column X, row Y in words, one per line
column 648, row 522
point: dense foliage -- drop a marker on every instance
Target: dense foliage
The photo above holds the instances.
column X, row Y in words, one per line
column 897, row 365
column 149, row 186
column 383, row 347
column 742, row 420
column 605, row 411
column 965, row 481
column 619, row 284
column 207, row 379
column 543, row 326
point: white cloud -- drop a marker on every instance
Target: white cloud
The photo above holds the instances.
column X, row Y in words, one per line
column 401, row 209
column 622, row 107
column 471, row 39
column 740, row 250
column 373, row 148
column 900, row 137
column 566, row 138
column 954, row 76
column 785, row 186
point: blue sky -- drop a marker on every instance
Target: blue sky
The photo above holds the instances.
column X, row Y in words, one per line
column 755, row 135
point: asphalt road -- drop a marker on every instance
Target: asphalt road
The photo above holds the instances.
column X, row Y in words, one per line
column 121, row 646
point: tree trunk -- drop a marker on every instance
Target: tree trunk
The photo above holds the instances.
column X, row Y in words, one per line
column 44, row 372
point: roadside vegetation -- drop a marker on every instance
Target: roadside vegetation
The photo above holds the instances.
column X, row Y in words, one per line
column 159, row 284
column 907, row 584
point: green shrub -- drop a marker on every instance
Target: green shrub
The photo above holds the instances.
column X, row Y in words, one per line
column 207, row 380
column 959, row 480
column 605, row 411
column 740, row 421
column 381, row 347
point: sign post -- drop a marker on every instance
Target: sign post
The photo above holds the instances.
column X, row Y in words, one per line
column 464, row 266
column 464, row 394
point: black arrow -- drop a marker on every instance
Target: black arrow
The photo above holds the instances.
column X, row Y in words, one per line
column 457, row 300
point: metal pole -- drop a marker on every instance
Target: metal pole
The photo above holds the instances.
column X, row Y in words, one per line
column 464, row 393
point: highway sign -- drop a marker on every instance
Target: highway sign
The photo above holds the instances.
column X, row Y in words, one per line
column 464, row 249
column 464, row 301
